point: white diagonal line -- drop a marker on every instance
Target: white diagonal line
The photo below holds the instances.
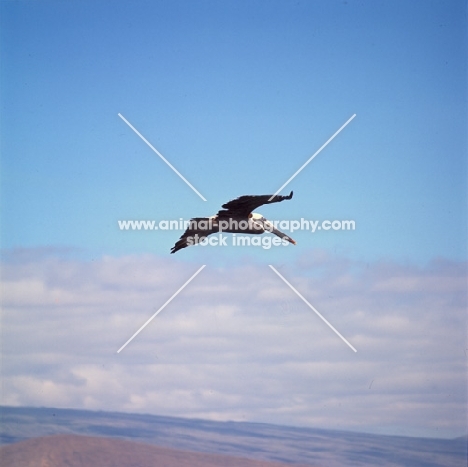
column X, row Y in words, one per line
column 160, row 309
column 322, row 147
column 312, row 308
column 162, row 157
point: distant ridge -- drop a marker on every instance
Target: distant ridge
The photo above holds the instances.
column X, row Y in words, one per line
column 88, row 451
column 256, row 441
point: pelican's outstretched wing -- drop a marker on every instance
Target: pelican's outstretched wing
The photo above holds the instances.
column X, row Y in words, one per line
column 198, row 229
column 244, row 205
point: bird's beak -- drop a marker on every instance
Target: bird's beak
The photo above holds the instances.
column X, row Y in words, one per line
column 269, row 227
column 282, row 235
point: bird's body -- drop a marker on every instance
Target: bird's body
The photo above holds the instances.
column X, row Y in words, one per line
column 236, row 217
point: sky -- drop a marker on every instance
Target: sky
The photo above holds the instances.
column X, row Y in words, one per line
column 237, row 96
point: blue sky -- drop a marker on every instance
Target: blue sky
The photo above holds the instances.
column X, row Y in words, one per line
column 237, row 96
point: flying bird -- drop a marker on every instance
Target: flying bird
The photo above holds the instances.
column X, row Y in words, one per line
column 236, row 217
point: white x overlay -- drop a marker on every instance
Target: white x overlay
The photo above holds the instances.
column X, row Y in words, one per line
column 162, row 157
column 204, row 199
column 311, row 307
column 160, row 309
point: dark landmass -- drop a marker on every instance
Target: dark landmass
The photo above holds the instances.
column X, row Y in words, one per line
column 87, row 451
column 255, row 441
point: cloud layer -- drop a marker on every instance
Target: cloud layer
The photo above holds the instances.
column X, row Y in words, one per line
column 237, row 343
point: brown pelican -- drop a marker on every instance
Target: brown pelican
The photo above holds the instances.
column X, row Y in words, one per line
column 236, row 217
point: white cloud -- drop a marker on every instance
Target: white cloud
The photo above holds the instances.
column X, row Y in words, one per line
column 238, row 343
